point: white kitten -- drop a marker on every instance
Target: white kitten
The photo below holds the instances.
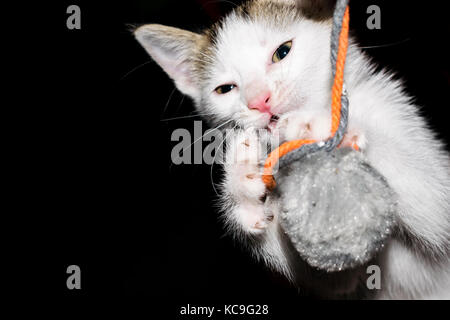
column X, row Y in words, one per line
column 268, row 66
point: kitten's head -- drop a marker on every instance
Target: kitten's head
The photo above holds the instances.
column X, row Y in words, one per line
column 265, row 59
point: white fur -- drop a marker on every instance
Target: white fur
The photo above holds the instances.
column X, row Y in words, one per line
column 383, row 123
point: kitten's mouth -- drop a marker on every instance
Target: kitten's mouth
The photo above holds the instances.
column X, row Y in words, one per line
column 273, row 122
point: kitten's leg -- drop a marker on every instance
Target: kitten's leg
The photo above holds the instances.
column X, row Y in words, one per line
column 243, row 187
column 316, row 125
column 304, row 124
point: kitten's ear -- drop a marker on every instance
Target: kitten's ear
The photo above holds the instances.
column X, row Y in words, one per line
column 174, row 50
column 317, row 9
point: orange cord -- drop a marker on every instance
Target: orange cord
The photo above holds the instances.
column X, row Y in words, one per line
column 336, row 104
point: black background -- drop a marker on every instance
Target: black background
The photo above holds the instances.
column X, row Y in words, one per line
column 98, row 156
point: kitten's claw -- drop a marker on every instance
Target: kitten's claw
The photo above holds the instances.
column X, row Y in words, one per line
column 355, row 140
column 252, row 218
column 260, row 225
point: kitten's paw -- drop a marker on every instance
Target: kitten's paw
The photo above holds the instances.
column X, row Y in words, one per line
column 243, row 181
column 304, row 125
column 243, row 167
column 252, row 218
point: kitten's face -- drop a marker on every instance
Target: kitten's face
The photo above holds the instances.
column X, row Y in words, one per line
column 262, row 61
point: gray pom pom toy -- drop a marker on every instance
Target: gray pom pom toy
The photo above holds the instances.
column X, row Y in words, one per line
column 335, row 208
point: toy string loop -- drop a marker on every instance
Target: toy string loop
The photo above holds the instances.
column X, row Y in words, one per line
column 294, row 150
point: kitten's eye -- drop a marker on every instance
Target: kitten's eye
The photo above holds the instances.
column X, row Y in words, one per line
column 282, row 52
column 225, row 88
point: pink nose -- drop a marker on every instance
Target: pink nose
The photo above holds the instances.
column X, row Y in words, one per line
column 260, row 103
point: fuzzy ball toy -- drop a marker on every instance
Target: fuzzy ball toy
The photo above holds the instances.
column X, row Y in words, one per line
column 335, row 208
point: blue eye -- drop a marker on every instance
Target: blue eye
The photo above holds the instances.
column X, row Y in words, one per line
column 225, row 88
column 282, row 52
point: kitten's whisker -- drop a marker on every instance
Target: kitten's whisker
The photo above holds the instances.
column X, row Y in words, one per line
column 387, row 44
column 135, row 68
column 181, row 103
column 168, row 101
column 187, row 117
column 214, row 160
column 209, row 131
